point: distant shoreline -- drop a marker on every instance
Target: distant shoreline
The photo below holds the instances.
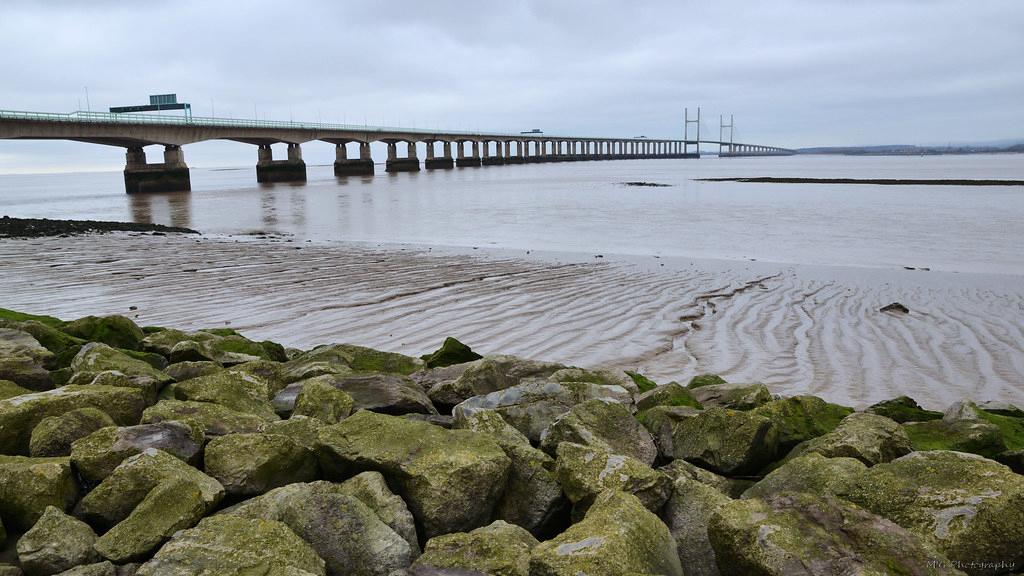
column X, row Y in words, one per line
column 878, row 181
column 41, row 227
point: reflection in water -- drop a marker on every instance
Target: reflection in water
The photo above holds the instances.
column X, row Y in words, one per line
column 298, row 206
column 268, row 203
column 173, row 208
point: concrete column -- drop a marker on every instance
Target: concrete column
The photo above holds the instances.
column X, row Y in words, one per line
column 170, row 176
column 430, row 149
column 444, row 162
column 448, row 150
column 473, row 159
column 408, row 164
column 392, row 151
column 362, row 166
column 294, row 153
column 293, row 169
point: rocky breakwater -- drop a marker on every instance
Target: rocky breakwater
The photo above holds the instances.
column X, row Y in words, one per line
column 158, row 452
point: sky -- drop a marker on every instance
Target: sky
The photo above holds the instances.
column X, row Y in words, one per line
column 793, row 73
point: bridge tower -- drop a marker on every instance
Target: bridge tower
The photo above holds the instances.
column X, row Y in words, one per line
column 721, row 133
column 686, row 133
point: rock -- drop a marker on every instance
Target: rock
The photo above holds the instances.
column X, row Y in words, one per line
column 267, row 372
column 214, row 419
column 25, row 372
column 734, row 396
column 490, row 374
column 617, row 536
column 974, row 436
column 303, row 430
column 603, row 424
column 812, row 473
column 239, row 392
column 895, row 308
column 345, row 359
column 104, row 568
column 251, row 464
column 682, row 468
column 1001, row 408
column 533, row 406
column 870, row 438
column 705, row 380
column 342, row 529
column 62, row 346
column 8, row 570
column 144, row 501
column 430, row 377
column 499, row 549
column 1012, row 458
column 97, row 455
column 661, row 422
column 321, row 400
column 385, row 393
column 800, row 533
column 601, row 377
column 643, row 383
column 451, row 479
column 671, row 394
column 187, row 370
column 451, row 352
column 687, row 514
column 94, row 359
column 54, row 435
column 20, row 344
column 586, row 471
column 234, row 546
column 533, row 498
column 903, row 409
column 114, row 331
column 371, row 489
column 801, row 418
column 969, row 507
column 29, row 485
column 20, row 415
column 9, row 389
column 729, row 442
column 57, row 542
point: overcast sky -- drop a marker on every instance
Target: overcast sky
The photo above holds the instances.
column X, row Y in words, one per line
column 793, row 72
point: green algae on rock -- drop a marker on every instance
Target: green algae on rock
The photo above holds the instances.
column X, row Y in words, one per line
column 705, row 380
column 57, row 542
column 498, row 549
column 251, row 464
column 114, row 331
column 29, row 485
column 729, row 442
column 812, row 473
column 733, row 396
column 586, row 471
column 54, row 435
column 800, row 418
column 687, row 514
column 451, row 352
column 870, row 438
column 603, row 424
column 97, row 455
column 671, row 394
column 213, row 419
column 903, row 409
column 321, row 400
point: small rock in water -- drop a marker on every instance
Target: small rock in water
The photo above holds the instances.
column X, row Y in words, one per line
column 895, row 307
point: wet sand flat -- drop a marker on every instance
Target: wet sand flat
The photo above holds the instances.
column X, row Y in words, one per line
column 798, row 328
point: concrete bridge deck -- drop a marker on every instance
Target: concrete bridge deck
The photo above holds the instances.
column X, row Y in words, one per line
column 135, row 131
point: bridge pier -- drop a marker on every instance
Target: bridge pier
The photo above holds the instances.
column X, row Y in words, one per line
column 408, row 164
column 170, row 176
column 269, row 170
column 464, row 160
column 444, row 163
column 344, row 166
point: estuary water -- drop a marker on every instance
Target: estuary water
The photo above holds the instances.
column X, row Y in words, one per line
column 584, row 207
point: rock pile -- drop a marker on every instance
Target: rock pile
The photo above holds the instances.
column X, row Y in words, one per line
column 148, row 451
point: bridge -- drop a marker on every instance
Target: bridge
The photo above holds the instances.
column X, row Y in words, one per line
column 135, row 131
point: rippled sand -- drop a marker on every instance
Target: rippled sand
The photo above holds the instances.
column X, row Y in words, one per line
column 799, row 329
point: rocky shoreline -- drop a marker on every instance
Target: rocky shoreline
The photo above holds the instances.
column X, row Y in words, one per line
column 41, row 227
column 158, row 452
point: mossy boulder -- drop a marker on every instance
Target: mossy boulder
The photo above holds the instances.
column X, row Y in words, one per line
column 235, row 546
column 57, row 542
column 54, row 435
column 97, row 455
column 251, row 464
column 303, row 430
column 604, row 424
column 18, row 343
column 394, row 394
column 812, row 473
column 599, row 376
column 661, row 422
column 498, row 549
column 729, row 442
column 974, row 436
column 617, row 536
column 62, row 345
column 270, row 373
column 345, row 359
column 705, row 380
column 371, row 489
column 105, row 568
column 533, row 498
column 870, row 438
column 239, row 392
column 532, row 407
column 681, row 468
column 586, row 471
column 733, row 396
column 213, row 419
column 490, row 374
column 115, row 331
column 23, row 360
column 323, row 401
column 671, row 394
column 15, row 316
column 147, row 498
column 95, row 359
column 800, row 418
column 20, row 415
column 903, row 409
column 687, row 514
column 642, row 383
column 800, row 533
column 9, row 389
column 451, row 352
column 451, row 479
column 29, row 485
column 224, row 348
column 187, row 370
column 343, row 530
column 970, row 507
